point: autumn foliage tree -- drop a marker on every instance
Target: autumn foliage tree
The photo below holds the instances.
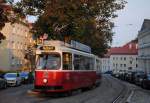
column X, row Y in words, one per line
column 3, row 19
column 87, row 21
column 4, row 15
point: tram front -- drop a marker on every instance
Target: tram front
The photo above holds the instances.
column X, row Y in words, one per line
column 47, row 73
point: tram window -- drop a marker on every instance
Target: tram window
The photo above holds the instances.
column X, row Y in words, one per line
column 48, row 61
column 83, row 62
column 67, row 61
column 76, row 62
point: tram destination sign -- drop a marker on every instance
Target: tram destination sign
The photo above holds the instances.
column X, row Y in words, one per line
column 47, row 48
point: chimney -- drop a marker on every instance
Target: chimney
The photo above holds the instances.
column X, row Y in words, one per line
column 136, row 46
column 130, row 46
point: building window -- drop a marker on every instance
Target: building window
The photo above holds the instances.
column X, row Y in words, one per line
column 116, row 65
column 124, row 65
column 21, row 46
column 18, row 45
column 120, row 65
column 26, row 33
column 121, row 58
column 12, row 57
column 13, row 45
column 136, row 59
column 124, row 58
column 130, row 68
column 130, row 62
column 136, row 65
column 113, row 64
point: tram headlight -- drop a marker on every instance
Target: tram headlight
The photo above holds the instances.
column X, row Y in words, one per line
column 45, row 80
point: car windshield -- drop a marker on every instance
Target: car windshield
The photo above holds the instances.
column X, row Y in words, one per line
column 148, row 76
column 23, row 74
column 10, row 75
column 140, row 74
column 48, row 61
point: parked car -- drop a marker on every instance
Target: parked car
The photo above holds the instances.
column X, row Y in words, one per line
column 138, row 78
column 127, row 76
column 3, row 83
column 2, row 75
column 130, row 76
column 122, row 74
column 146, row 82
column 116, row 75
column 13, row 79
column 108, row 72
column 113, row 74
column 24, row 77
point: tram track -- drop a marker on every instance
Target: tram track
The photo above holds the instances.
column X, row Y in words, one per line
column 111, row 90
column 120, row 96
column 124, row 95
column 107, row 82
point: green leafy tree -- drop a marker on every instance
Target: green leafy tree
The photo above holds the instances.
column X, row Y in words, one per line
column 87, row 21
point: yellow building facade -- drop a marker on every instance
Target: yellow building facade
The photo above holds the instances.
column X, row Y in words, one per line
column 14, row 47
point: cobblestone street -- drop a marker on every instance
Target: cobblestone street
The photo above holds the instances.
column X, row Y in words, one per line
column 108, row 92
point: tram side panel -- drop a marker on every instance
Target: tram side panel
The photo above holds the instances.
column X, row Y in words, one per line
column 63, row 81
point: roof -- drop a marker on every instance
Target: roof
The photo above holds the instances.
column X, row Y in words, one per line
column 127, row 49
column 146, row 24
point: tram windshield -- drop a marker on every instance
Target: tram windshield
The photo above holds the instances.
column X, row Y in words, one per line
column 48, row 61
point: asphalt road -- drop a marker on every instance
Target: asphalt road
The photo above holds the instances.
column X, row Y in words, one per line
column 107, row 92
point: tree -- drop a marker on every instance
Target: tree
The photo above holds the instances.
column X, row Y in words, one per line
column 3, row 16
column 3, row 19
column 88, row 21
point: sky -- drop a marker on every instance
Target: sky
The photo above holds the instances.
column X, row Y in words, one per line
column 128, row 22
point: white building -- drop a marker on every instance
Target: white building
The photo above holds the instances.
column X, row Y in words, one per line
column 105, row 66
column 122, row 58
column 144, row 46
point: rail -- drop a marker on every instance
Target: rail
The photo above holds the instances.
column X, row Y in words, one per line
column 123, row 95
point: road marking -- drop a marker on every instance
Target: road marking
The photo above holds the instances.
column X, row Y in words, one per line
column 130, row 96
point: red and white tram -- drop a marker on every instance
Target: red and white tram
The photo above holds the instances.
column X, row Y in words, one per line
column 62, row 68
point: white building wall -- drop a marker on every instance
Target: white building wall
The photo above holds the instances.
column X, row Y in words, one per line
column 105, row 65
column 123, row 62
